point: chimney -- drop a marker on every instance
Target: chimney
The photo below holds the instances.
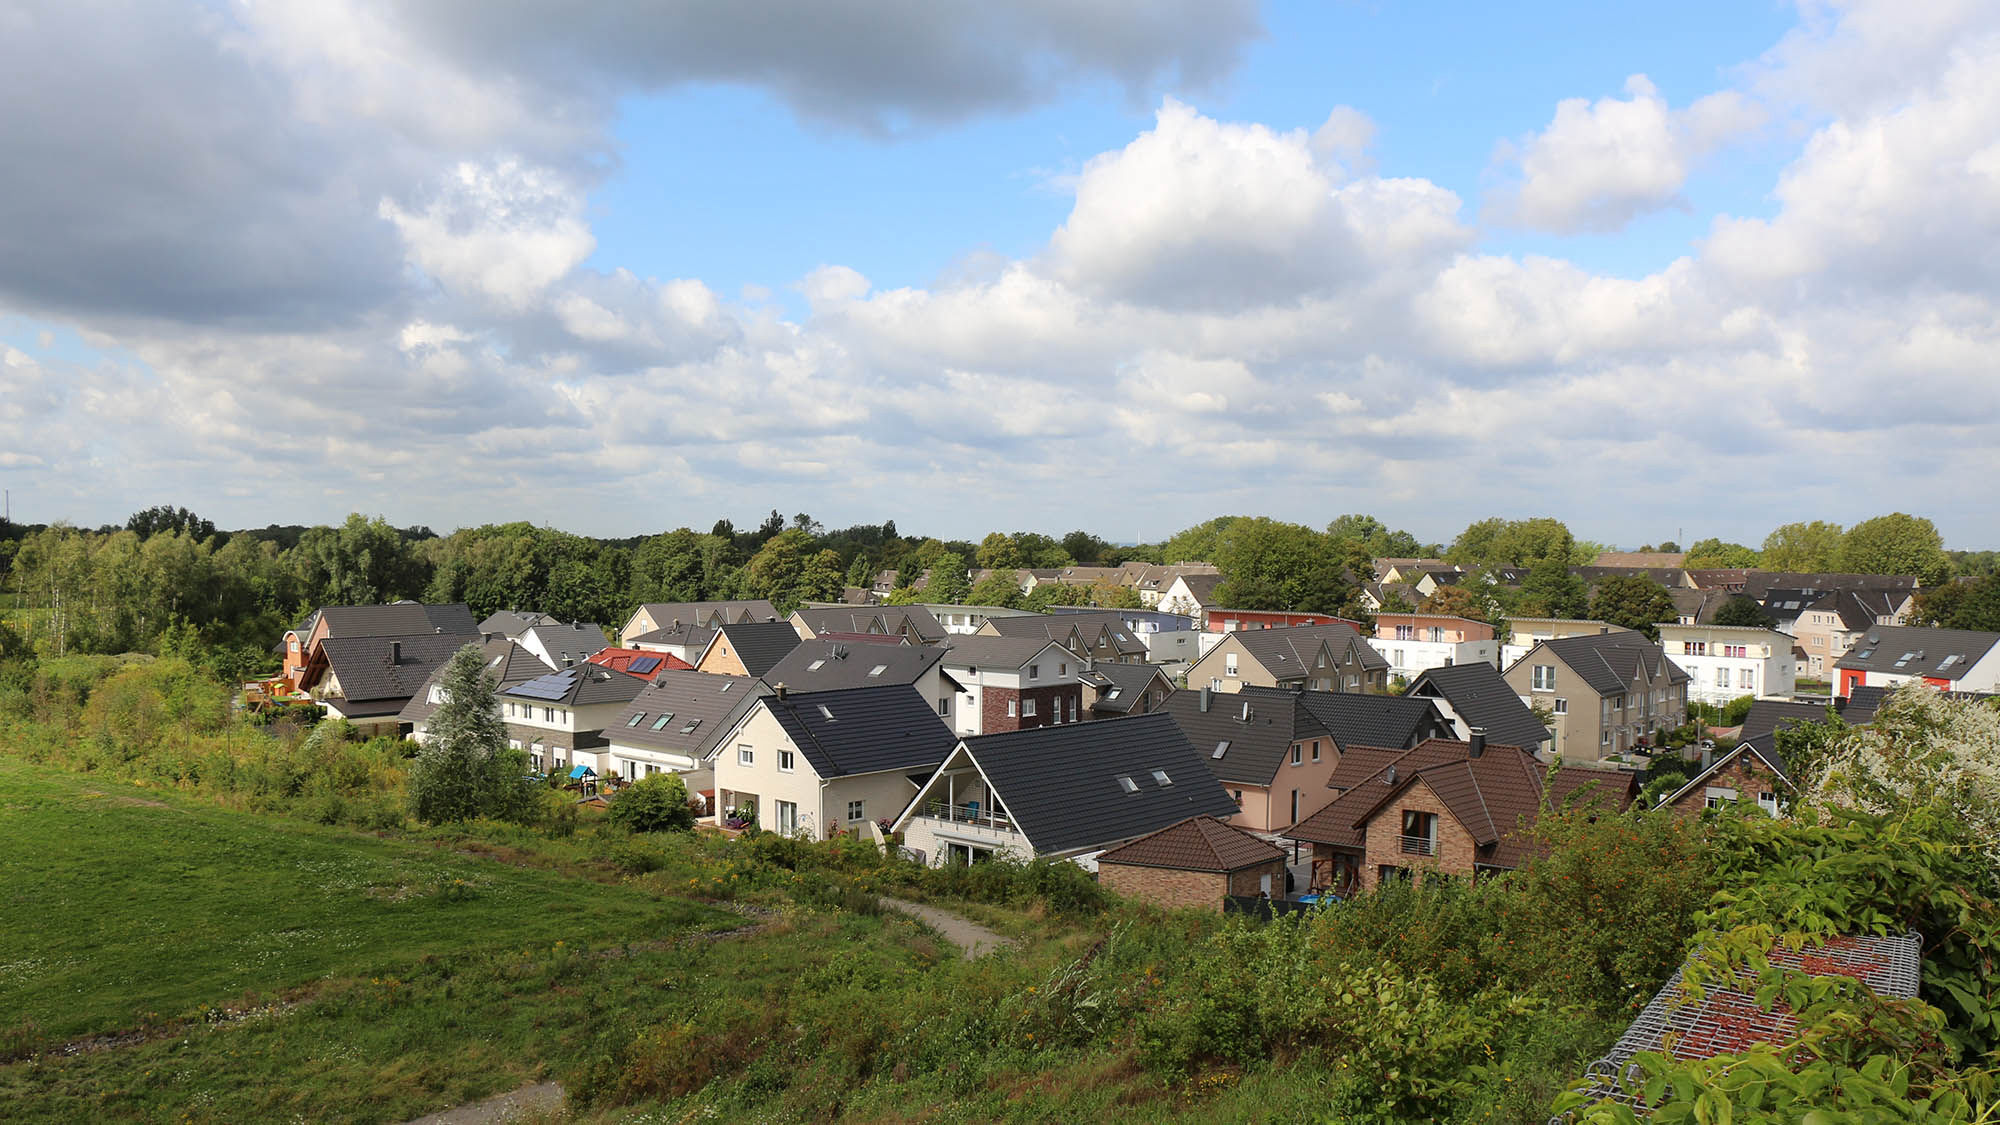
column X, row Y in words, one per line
column 1204, row 700
column 395, row 652
column 780, row 689
column 1478, row 745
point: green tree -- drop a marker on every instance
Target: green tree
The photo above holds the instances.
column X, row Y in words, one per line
column 1714, row 553
column 466, row 769
column 1527, row 542
column 997, row 589
column 1740, row 610
column 1198, row 543
column 670, row 567
column 1896, row 544
column 1475, row 545
column 788, row 570
column 1085, row 548
column 1637, row 603
column 1803, row 548
column 1267, row 564
column 998, row 551
column 655, row 803
column 949, row 584
column 1550, row 590
column 1455, row 601
column 362, row 562
column 1963, row 604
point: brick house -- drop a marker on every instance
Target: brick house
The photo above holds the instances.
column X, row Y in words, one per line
column 1310, row 657
column 1013, row 683
column 1442, row 809
column 1194, row 864
column 1743, row 774
column 1112, row 690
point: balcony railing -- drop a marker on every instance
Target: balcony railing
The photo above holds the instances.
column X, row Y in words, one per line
column 976, row 815
column 1419, row 845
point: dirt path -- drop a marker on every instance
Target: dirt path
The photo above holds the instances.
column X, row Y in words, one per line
column 543, row 1097
column 976, row 940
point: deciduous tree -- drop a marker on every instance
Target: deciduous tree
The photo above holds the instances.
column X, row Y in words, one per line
column 1640, row 604
column 1896, row 544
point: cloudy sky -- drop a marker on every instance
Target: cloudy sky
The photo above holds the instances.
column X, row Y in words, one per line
column 1050, row 264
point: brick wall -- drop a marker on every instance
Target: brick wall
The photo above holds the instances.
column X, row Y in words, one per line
column 1384, row 833
column 1747, row 774
column 993, row 717
column 556, row 743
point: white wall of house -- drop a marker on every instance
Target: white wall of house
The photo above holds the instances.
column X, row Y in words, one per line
column 1410, row 658
column 820, row 805
column 1724, row 662
column 1168, row 646
column 1529, row 632
column 960, row 786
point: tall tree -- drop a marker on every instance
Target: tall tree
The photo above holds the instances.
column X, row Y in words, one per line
column 466, row 769
column 998, row 589
column 1803, row 548
column 1268, row 564
column 1964, row 604
column 1454, row 601
column 998, row 551
column 1550, row 590
column 1085, row 548
column 1743, row 611
column 949, row 583
column 1637, row 603
column 1714, row 553
column 1896, row 544
column 1475, row 545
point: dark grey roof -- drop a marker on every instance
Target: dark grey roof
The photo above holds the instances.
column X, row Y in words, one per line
column 1480, row 697
column 398, row 619
column 508, row 662
column 1287, row 653
column 1061, row 784
column 874, row 619
column 978, row 650
column 365, row 671
column 1768, row 716
column 1757, row 583
column 708, row 613
column 1861, row 703
column 821, row 665
column 1607, row 661
column 1128, row 686
column 866, row 730
column 580, row 686
column 1257, row 745
column 708, row 703
column 512, row 623
column 682, row 634
column 1861, row 609
column 759, row 644
column 580, row 640
column 1911, row 650
column 1098, row 626
column 1381, row 721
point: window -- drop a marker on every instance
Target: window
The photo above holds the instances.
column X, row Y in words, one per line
column 1315, row 749
column 1722, row 677
column 636, row 719
column 1746, row 678
column 1221, row 748
column 1406, row 632
column 1295, row 806
column 944, row 706
column 548, row 714
column 1027, row 708
column 1013, row 709
column 1694, row 648
column 688, row 727
column 1604, row 711
column 857, row 810
column 437, row 693
column 878, row 669
column 1237, row 796
column 1215, row 684
column 1062, row 669
column 745, row 756
column 824, row 713
column 787, row 761
column 1229, row 664
column 1714, row 796
column 1768, row 802
column 1127, row 784
column 1604, row 738
column 1542, row 677
column 1161, row 779
column 1562, row 706
column 1419, row 832
column 788, row 817
column 815, row 665
column 1738, row 651
column 1034, row 671
column 661, row 722
column 1437, row 634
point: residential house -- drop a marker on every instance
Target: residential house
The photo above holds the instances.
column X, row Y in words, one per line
column 1829, row 627
column 1948, row 659
column 1607, row 692
column 1167, row 637
column 1407, row 570
column 653, row 616
column 1100, row 635
column 369, row 680
column 511, row 623
column 1220, row 620
column 304, row 663
column 682, row 641
column 1527, row 632
column 830, row 761
column 675, row 724
column 1671, row 577
column 1444, row 808
column 911, row 621
column 1750, row 771
column 1726, row 661
column 1416, row 642
column 963, row 620
column 561, row 646
column 829, row 664
column 1013, row 683
column 1153, row 583
column 1195, row 864
column 506, row 661
column 559, row 718
column 1111, row 691
column 1698, row 606
column 751, row 648
column 1191, row 595
column 1474, row 697
column 639, row 662
column 1312, row 657
column 1069, row 792
column 1275, row 749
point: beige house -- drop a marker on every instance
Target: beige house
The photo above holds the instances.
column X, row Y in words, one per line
column 1527, row 632
column 1311, row 657
column 828, row 762
column 1606, row 691
column 1828, row 628
column 654, row 616
column 749, row 649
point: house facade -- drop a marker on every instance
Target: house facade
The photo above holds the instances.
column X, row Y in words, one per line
column 1309, row 657
column 654, row 616
column 1232, row 620
column 1414, row 643
column 1527, row 632
column 559, row 718
column 1947, row 659
column 674, row 724
column 1745, row 774
column 1195, row 864
column 1606, row 692
column 1727, row 661
column 1013, row 683
column 1831, row 626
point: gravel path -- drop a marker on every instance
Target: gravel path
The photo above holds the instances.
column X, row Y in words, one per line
column 543, row 1097
column 976, row 940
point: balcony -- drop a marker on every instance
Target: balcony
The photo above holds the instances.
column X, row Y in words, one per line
column 974, row 816
column 1419, row 845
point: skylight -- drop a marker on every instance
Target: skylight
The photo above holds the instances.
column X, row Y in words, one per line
column 1160, row 778
column 730, row 684
column 878, row 669
column 661, row 722
column 815, row 665
column 1221, row 748
column 824, row 713
column 691, row 724
column 1127, row 784
column 1113, row 693
column 636, row 719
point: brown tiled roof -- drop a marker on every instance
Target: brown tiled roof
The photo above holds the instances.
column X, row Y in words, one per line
column 1199, row 843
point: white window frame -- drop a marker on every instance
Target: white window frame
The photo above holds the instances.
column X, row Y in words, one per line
column 1541, row 677
column 746, row 756
column 788, row 760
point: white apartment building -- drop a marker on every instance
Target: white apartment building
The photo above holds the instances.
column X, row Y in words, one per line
column 1727, row 661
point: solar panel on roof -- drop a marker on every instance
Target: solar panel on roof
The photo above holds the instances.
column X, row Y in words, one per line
column 644, row 664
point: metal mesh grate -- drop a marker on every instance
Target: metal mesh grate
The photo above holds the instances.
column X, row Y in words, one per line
column 1727, row 1020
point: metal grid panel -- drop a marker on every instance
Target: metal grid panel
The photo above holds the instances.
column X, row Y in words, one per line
column 1728, row 1020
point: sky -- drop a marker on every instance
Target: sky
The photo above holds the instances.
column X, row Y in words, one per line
column 1694, row 270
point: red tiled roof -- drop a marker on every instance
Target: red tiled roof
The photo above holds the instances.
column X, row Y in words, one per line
column 1200, row 843
column 620, row 660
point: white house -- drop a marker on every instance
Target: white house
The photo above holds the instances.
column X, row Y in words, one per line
column 675, row 723
column 1727, row 661
column 1946, row 659
column 1531, row 631
column 559, row 718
